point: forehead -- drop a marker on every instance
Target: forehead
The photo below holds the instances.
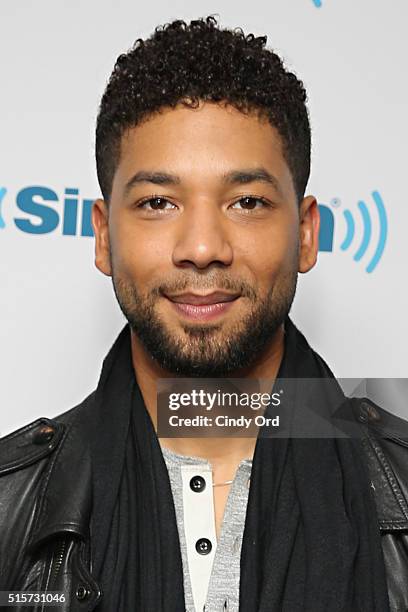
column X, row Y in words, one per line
column 203, row 143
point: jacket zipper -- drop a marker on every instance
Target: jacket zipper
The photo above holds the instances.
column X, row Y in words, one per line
column 57, row 561
column 55, row 566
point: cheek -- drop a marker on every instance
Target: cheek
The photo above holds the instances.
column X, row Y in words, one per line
column 272, row 253
column 138, row 254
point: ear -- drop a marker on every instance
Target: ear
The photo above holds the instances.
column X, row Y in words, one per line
column 308, row 233
column 100, row 219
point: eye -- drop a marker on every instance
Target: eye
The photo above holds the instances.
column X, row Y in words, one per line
column 251, row 203
column 156, row 203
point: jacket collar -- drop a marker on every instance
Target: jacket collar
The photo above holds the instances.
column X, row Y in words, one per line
column 65, row 500
column 385, row 443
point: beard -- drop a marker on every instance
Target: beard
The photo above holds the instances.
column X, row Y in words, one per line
column 206, row 351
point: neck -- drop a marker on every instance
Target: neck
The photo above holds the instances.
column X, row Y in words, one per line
column 218, row 451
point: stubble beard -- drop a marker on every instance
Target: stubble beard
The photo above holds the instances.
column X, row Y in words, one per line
column 206, row 351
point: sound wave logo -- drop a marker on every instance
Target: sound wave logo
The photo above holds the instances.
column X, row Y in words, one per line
column 365, row 241
column 326, row 233
column 3, row 192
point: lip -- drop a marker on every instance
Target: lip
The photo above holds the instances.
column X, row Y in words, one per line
column 202, row 307
column 215, row 297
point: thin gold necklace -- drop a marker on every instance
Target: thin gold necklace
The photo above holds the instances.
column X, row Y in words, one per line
column 227, row 482
column 220, row 484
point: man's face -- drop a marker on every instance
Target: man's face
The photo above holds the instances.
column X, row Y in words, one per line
column 202, row 202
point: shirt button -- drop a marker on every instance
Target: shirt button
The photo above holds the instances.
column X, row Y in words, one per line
column 197, row 484
column 203, row 546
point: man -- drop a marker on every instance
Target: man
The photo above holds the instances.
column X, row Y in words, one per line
column 203, row 156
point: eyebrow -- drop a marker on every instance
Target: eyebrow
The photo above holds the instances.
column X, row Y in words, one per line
column 251, row 175
column 235, row 177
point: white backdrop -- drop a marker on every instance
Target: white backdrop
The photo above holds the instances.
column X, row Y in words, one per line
column 58, row 313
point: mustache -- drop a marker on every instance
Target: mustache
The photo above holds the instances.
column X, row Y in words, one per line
column 208, row 283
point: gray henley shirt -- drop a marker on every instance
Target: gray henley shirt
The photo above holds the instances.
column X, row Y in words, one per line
column 211, row 569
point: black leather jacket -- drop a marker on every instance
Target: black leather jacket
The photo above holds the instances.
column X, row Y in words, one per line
column 45, row 504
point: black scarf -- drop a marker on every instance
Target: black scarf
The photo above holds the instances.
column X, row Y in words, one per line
column 311, row 539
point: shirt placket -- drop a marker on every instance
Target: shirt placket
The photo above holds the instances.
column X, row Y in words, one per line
column 199, row 528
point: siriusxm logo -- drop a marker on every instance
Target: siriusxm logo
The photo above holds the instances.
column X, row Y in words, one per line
column 41, row 203
column 327, row 222
column 40, row 206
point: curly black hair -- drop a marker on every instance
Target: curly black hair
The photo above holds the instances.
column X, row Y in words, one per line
column 182, row 63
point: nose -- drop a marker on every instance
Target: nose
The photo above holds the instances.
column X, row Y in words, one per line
column 202, row 238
